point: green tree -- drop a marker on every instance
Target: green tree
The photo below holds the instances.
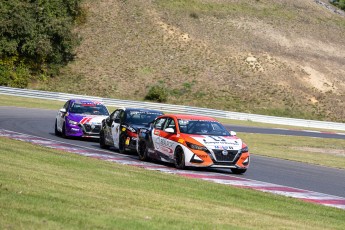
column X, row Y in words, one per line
column 35, row 36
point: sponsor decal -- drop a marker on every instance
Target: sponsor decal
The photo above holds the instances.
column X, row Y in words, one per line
column 166, row 149
column 123, row 129
column 165, row 142
column 85, row 120
column 127, row 141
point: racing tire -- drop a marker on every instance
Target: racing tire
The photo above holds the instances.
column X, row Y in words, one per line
column 122, row 145
column 57, row 133
column 63, row 133
column 102, row 143
column 179, row 158
column 238, row 171
column 142, row 151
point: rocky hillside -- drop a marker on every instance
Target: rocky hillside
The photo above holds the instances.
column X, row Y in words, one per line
column 276, row 57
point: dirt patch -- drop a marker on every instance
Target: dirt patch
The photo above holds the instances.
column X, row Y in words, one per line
column 336, row 152
column 281, row 58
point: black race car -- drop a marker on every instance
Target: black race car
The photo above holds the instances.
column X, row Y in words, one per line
column 119, row 130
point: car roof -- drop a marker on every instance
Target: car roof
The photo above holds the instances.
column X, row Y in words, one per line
column 191, row 117
column 143, row 110
column 81, row 101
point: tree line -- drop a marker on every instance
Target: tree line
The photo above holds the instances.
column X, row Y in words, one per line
column 36, row 38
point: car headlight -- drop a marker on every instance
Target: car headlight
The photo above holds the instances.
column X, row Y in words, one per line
column 196, row 147
column 72, row 122
column 245, row 149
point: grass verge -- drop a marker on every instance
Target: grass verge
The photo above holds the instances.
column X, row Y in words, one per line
column 318, row 151
column 42, row 188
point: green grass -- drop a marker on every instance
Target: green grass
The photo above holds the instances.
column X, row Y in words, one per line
column 318, row 151
column 42, row 188
column 274, row 11
column 33, row 103
column 29, row 102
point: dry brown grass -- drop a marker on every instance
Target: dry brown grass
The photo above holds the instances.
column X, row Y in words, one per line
column 283, row 58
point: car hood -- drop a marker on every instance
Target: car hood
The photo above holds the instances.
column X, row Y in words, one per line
column 138, row 126
column 86, row 119
column 217, row 142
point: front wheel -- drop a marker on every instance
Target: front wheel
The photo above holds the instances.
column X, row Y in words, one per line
column 102, row 143
column 238, row 171
column 142, row 151
column 63, row 133
column 179, row 158
column 57, row 133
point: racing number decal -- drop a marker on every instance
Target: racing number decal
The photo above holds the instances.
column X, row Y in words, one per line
column 216, row 138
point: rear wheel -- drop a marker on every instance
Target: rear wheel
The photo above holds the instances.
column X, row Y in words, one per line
column 238, row 171
column 122, row 144
column 142, row 151
column 179, row 158
column 102, row 143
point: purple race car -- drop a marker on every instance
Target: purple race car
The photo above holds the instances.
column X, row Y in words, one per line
column 80, row 118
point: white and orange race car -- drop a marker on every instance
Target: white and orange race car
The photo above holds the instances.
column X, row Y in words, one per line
column 198, row 141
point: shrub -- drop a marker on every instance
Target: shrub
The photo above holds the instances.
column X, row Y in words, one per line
column 157, row 93
column 339, row 3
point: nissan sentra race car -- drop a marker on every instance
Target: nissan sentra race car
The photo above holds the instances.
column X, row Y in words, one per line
column 197, row 141
column 120, row 129
column 80, row 118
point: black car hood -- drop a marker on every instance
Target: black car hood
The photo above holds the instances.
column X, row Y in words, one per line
column 138, row 126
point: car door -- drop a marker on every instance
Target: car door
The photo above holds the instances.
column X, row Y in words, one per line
column 60, row 119
column 116, row 125
column 157, row 128
column 108, row 136
column 168, row 140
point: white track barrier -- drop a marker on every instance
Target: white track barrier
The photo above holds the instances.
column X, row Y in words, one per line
column 176, row 109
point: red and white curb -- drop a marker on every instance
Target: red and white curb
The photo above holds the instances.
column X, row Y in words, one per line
column 305, row 195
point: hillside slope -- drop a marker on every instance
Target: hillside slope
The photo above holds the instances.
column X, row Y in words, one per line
column 276, row 57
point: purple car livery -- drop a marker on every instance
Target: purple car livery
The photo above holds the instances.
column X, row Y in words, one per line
column 80, row 118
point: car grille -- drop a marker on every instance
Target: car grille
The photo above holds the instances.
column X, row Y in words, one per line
column 88, row 129
column 220, row 157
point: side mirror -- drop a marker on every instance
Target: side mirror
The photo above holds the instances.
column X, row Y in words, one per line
column 169, row 130
column 63, row 110
column 107, row 121
column 233, row 133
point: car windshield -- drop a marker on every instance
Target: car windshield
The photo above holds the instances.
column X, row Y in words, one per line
column 89, row 109
column 141, row 117
column 202, row 127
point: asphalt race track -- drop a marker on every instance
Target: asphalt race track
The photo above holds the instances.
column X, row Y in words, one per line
column 40, row 122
